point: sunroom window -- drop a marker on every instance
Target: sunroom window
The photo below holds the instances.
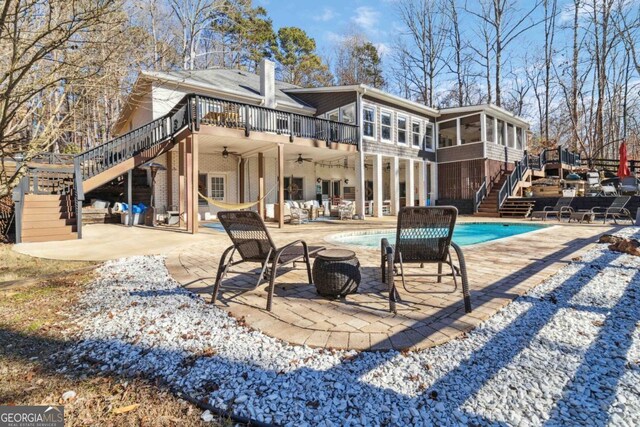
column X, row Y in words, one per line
column 447, row 136
column 415, row 132
column 402, row 130
column 385, row 126
column 428, row 136
column 368, row 121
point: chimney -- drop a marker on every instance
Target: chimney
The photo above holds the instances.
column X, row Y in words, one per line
column 268, row 83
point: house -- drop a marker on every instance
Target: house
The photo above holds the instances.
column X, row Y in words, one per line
column 230, row 135
column 404, row 154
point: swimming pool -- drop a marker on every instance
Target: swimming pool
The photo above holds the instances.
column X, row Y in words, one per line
column 464, row 234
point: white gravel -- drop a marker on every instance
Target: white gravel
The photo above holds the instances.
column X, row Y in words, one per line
column 566, row 353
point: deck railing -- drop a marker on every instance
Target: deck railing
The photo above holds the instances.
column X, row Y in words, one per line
column 253, row 118
column 480, row 194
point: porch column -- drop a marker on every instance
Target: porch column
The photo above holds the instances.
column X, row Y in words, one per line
column 409, row 191
column 360, row 185
column 281, row 185
column 422, row 183
column 261, row 184
column 182, row 183
column 188, row 161
column 169, row 156
column 194, row 183
column 394, row 177
column 377, row 185
column 241, row 172
column 130, row 196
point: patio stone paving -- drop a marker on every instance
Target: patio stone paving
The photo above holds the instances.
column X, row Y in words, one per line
column 498, row 271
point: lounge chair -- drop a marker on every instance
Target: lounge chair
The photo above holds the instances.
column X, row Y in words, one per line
column 616, row 210
column 562, row 207
column 423, row 236
column 251, row 240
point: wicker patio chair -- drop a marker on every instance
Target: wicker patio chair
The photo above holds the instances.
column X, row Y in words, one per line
column 423, row 236
column 615, row 211
column 563, row 206
column 251, row 240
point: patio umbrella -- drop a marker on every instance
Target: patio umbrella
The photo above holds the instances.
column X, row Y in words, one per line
column 623, row 169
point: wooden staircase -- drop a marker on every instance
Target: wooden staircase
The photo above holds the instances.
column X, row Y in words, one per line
column 516, row 207
column 48, row 217
column 489, row 206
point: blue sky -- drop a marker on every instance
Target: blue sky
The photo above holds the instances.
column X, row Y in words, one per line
column 327, row 20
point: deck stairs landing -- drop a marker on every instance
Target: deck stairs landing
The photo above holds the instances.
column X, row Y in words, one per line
column 489, row 206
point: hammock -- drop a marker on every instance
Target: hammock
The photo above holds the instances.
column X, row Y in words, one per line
column 235, row 206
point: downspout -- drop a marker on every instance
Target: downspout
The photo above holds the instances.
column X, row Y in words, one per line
column 238, row 180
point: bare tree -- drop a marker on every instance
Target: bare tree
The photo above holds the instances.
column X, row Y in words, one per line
column 194, row 17
column 508, row 23
column 426, row 33
column 46, row 48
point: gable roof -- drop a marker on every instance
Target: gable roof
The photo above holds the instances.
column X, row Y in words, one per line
column 231, row 81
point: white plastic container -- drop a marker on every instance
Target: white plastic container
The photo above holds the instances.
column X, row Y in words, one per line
column 124, row 218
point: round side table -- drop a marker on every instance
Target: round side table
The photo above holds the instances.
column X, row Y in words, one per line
column 336, row 272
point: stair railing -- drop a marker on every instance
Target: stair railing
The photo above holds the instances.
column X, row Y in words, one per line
column 480, row 195
column 512, row 180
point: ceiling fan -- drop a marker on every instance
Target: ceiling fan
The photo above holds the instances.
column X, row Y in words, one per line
column 301, row 159
column 225, row 153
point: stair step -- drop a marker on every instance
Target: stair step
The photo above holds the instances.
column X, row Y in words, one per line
column 53, row 223
column 43, row 197
column 54, row 231
column 51, row 238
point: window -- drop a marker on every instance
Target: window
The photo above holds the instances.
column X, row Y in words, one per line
column 501, row 140
column 415, row 132
column 402, row 130
column 448, row 134
column 490, row 128
column 470, row 129
column 333, row 115
column 293, row 188
column 519, row 138
column 385, row 126
column 368, row 121
column 348, row 113
column 511, row 135
column 217, row 190
column 428, row 136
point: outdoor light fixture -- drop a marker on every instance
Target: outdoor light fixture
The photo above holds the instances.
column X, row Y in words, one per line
column 318, row 180
column 225, row 153
column 346, row 181
column 18, row 157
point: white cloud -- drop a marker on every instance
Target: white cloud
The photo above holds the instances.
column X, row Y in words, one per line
column 334, row 37
column 327, row 15
column 383, row 49
column 366, row 17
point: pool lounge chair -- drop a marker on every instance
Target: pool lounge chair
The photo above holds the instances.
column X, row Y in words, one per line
column 423, row 236
column 562, row 207
column 615, row 211
column 251, row 240
column 629, row 185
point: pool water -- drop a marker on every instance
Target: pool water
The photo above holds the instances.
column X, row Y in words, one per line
column 464, row 234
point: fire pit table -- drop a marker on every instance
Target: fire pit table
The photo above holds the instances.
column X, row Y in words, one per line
column 336, row 272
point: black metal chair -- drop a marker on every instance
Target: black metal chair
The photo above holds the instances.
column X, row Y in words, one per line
column 423, row 236
column 615, row 211
column 563, row 206
column 251, row 240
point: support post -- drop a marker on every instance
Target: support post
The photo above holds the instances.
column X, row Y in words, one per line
column 194, row 181
column 261, row 185
column 130, row 196
column 377, row 185
column 281, row 185
column 182, row 183
column 409, row 186
column 241, row 172
column 394, row 175
column 169, row 174
column 360, row 184
column 189, row 182
column 422, row 183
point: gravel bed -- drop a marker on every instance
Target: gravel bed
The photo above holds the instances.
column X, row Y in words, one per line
column 568, row 352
